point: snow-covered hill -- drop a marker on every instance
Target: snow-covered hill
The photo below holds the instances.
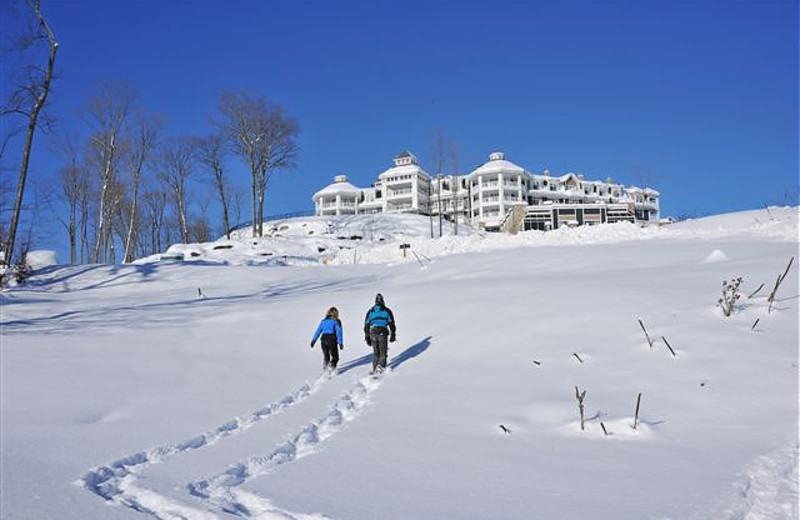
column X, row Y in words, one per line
column 189, row 390
column 360, row 239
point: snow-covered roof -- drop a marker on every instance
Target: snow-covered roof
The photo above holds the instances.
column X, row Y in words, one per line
column 407, row 169
column 568, row 176
column 497, row 163
column 339, row 186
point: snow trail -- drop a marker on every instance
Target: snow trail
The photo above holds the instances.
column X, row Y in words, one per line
column 113, row 481
column 768, row 488
column 117, row 481
column 765, row 489
column 221, row 489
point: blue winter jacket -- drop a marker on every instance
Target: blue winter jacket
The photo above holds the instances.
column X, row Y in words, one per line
column 329, row 326
column 379, row 316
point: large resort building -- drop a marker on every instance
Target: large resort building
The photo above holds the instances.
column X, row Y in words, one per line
column 498, row 195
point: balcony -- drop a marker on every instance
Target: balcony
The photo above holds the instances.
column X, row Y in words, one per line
column 404, row 194
column 397, row 182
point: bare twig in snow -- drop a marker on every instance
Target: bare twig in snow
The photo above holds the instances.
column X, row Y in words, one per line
column 646, row 335
column 636, row 414
column 778, row 282
column 755, row 292
column 580, row 396
column 668, row 346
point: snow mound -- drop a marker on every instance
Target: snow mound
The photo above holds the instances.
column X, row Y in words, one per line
column 716, row 256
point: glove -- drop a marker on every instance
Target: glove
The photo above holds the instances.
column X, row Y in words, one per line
column 341, row 347
column 392, row 338
column 312, row 344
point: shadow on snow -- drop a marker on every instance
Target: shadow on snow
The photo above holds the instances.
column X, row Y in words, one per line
column 409, row 353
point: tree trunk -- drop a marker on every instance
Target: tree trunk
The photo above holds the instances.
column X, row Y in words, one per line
column 253, row 200
column 72, row 234
column 130, row 238
column 34, row 116
column 102, row 217
column 441, row 209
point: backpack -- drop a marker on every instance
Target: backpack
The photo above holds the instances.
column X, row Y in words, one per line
column 378, row 316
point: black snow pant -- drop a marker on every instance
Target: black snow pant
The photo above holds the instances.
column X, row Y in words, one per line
column 330, row 350
column 379, row 339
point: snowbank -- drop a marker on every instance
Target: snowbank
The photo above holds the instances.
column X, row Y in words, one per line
column 376, row 239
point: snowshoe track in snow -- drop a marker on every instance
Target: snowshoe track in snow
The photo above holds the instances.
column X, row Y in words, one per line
column 221, row 489
column 117, row 481
column 114, row 481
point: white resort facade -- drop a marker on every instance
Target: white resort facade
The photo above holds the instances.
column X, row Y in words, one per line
column 498, row 195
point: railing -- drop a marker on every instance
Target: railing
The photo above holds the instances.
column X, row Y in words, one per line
column 279, row 216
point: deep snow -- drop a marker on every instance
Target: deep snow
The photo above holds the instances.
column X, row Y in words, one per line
column 189, row 390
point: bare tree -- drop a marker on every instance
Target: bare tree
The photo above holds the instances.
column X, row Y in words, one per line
column 439, row 152
column 176, row 164
column 453, row 156
column 644, row 176
column 200, row 228
column 278, row 150
column 72, row 184
column 443, row 151
column 155, row 203
column 83, row 221
column 108, row 110
column 211, row 154
column 28, row 100
column 143, row 134
column 264, row 137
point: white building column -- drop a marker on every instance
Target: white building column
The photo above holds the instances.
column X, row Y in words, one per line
column 338, row 204
column 501, row 195
column 480, row 197
column 414, row 194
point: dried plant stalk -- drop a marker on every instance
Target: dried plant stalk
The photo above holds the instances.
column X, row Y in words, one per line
column 580, row 396
column 636, row 414
column 646, row 335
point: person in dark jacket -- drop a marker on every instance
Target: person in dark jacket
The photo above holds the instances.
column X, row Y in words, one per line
column 331, row 330
column 379, row 330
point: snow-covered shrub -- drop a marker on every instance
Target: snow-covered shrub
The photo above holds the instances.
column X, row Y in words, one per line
column 730, row 295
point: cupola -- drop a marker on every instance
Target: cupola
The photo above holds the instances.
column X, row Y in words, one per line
column 406, row 158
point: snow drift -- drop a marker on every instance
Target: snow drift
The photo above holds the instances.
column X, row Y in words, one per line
column 189, row 391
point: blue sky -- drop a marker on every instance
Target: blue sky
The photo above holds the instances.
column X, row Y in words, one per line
column 703, row 95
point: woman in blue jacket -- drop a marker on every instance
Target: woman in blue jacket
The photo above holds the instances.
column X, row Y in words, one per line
column 331, row 330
